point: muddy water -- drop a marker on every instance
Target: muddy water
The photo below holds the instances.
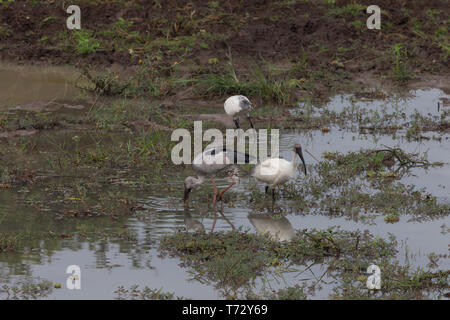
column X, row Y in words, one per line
column 423, row 101
column 26, row 84
column 107, row 264
column 394, row 110
column 436, row 180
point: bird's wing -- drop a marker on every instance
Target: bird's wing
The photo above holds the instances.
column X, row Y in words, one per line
column 232, row 105
column 267, row 169
column 271, row 170
column 234, row 156
column 237, row 104
column 211, row 164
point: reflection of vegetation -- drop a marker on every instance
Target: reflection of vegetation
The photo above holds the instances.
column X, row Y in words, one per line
column 233, row 260
column 27, row 290
column 134, row 293
column 290, row 293
column 7, row 243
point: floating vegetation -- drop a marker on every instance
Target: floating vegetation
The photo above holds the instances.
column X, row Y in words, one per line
column 8, row 243
column 135, row 293
column 26, row 290
column 233, row 260
column 398, row 282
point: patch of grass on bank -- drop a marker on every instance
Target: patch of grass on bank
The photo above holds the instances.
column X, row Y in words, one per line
column 400, row 70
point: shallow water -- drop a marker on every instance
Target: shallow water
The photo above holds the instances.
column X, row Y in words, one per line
column 424, row 101
column 394, row 110
column 436, row 180
column 27, row 84
column 106, row 264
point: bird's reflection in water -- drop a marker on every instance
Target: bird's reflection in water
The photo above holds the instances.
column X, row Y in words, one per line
column 191, row 223
column 197, row 226
column 278, row 229
column 224, row 217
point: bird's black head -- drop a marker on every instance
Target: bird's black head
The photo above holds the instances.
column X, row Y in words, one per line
column 186, row 193
column 298, row 150
column 245, row 103
column 188, row 185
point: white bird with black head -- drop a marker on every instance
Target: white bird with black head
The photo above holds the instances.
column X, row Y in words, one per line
column 237, row 106
column 277, row 171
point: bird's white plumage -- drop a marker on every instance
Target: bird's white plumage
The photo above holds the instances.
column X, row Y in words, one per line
column 275, row 171
column 236, row 105
column 207, row 164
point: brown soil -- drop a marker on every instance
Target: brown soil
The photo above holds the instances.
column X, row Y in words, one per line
column 276, row 31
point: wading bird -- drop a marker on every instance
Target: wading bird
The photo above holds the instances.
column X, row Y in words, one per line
column 209, row 163
column 236, row 106
column 276, row 171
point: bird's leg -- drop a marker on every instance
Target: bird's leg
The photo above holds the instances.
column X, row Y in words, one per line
column 273, row 194
column 215, row 191
column 267, row 189
column 236, row 122
column 232, row 184
column 214, row 223
column 251, row 123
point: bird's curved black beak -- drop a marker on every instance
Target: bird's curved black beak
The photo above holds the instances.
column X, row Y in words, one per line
column 186, row 194
column 300, row 154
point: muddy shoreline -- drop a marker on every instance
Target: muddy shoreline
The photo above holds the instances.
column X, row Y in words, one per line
column 317, row 48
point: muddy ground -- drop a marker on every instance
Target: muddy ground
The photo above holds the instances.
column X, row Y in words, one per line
column 315, row 46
